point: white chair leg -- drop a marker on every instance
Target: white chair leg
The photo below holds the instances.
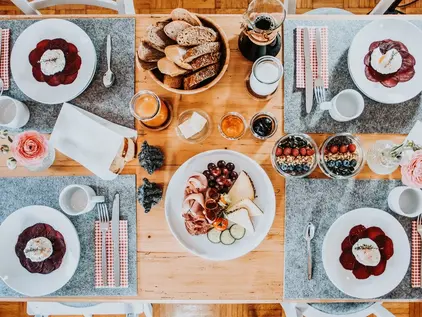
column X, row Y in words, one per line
column 148, row 310
column 290, row 6
column 87, row 315
column 291, row 310
column 125, row 7
column 25, row 7
column 381, row 7
column 381, row 311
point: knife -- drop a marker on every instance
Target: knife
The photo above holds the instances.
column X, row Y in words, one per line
column 309, row 82
column 115, row 231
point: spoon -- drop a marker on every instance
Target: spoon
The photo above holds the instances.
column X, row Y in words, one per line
column 309, row 234
column 109, row 77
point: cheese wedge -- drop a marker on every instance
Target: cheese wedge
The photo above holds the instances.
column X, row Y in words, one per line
column 242, row 189
column 241, row 217
column 252, row 208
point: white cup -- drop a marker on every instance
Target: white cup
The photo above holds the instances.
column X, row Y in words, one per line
column 405, row 201
column 13, row 113
column 346, row 106
column 78, row 199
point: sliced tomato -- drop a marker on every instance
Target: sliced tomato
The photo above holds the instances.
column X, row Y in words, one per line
column 220, row 224
column 347, row 260
column 373, row 232
column 361, row 272
column 380, row 268
column 38, row 75
column 43, row 45
column 346, row 244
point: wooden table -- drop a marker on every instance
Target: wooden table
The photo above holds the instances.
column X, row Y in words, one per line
column 166, row 271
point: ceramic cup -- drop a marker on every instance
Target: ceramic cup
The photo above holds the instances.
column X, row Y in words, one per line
column 78, row 199
column 13, row 113
column 346, row 106
column 405, row 201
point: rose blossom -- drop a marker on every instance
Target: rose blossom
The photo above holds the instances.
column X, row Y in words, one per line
column 29, row 148
column 412, row 172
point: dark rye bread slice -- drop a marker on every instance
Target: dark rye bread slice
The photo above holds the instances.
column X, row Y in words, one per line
column 205, row 60
column 149, row 54
column 200, row 50
column 196, row 35
column 157, row 38
column 194, row 80
column 174, row 28
column 173, row 82
column 180, row 14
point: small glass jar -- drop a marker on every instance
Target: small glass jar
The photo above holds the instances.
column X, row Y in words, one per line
column 200, row 136
column 265, row 76
column 379, row 158
column 232, row 126
column 46, row 162
column 150, row 110
column 263, row 125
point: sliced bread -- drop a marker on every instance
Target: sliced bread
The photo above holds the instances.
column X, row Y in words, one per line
column 175, row 54
column 197, row 51
column 194, row 80
column 205, row 60
column 157, row 38
column 147, row 65
column 167, row 67
column 174, row 28
column 173, row 82
column 196, row 35
column 149, row 54
column 180, row 14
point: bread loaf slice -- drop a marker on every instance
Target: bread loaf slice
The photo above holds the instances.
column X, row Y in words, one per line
column 205, row 60
column 196, row 35
column 157, row 38
column 194, row 80
column 149, row 54
column 174, row 28
column 167, row 67
column 147, row 65
column 200, row 50
column 180, row 14
column 173, row 82
column 175, row 54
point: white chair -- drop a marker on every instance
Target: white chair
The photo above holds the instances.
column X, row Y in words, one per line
column 32, row 7
column 131, row 309
column 301, row 309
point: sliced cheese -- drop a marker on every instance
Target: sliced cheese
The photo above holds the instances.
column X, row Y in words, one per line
column 252, row 208
column 193, row 125
column 241, row 217
column 242, row 189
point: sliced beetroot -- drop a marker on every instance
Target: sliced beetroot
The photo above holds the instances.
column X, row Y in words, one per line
column 373, row 232
column 407, row 60
column 358, row 230
column 390, row 82
column 380, row 268
column 406, row 75
column 374, row 45
column 72, row 48
column 361, row 272
column 37, row 230
column 43, row 45
column 73, row 67
column 50, row 233
column 70, row 78
column 57, row 263
column 367, row 59
column 59, row 44
column 347, row 260
column 385, row 245
column 346, row 244
column 38, row 75
column 371, row 74
column 55, row 80
column 48, row 267
column 35, row 56
column 71, row 57
column 33, row 267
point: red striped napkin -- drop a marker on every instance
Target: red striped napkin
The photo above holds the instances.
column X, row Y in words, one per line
column 416, row 257
column 123, row 248
column 300, row 56
column 4, row 59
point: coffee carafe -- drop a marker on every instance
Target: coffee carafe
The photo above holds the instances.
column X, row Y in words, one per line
column 259, row 35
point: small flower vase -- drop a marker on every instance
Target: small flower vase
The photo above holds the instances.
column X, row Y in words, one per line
column 45, row 163
column 380, row 159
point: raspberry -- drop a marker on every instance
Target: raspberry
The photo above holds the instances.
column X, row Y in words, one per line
column 278, row 152
column 302, row 151
column 310, row 152
column 334, row 149
column 287, row 151
column 343, row 148
column 352, row 148
column 295, row 152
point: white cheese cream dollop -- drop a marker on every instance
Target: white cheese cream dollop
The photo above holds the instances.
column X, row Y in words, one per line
column 366, row 252
column 38, row 249
column 52, row 62
column 387, row 63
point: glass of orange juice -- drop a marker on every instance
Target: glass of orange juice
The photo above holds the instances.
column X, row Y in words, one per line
column 150, row 110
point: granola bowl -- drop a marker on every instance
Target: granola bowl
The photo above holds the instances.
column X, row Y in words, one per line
column 342, row 156
column 295, row 155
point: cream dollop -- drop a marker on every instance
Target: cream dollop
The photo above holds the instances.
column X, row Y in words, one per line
column 52, row 62
column 387, row 63
column 366, row 252
column 38, row 249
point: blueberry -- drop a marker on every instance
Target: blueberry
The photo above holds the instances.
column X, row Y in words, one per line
column 331, row 163
column 346, row 163
column 306, row 168
column 298, row 168
column 338, row 163
column 353, row 163
column 290, row 168
column 284, row 167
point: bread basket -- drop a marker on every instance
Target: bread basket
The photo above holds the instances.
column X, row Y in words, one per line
column 158, row 77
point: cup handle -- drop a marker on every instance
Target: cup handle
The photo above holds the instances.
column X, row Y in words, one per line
column 325, row 105
column 97, row 199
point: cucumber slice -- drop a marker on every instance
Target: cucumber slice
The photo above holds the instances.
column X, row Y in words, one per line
column 214, row 236
column 227, row 238
column 237, row 232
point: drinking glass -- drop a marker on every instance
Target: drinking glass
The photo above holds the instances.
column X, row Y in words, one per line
column 265, row 76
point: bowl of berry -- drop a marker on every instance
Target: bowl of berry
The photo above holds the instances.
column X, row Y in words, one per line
column 342, row 156
column 295, row 155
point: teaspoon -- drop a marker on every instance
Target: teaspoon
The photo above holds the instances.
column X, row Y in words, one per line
column 109, row 77
column 309, row 234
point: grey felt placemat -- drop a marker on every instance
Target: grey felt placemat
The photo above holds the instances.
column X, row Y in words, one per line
column 376, row 118
column 322, row 201
column 109, row 103
column 20, row 192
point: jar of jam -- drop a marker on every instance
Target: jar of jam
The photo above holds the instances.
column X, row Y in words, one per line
column 263, row 125
column 232, row 126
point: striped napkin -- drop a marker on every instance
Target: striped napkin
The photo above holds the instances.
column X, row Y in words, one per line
column 4, row 59
column 300, row 55
column 123, row 248
column 416, row 257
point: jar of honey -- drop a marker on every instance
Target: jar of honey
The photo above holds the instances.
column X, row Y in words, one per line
column 150, row 110
column 232, row 126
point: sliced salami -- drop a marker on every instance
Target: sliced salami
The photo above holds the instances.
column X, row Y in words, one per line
column 370, row 74
column 406, row 75
column 390, row 82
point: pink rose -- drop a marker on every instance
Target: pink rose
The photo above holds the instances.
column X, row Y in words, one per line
column 29, row 148
column 411, row 173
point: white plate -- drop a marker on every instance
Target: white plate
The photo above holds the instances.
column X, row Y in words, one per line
column 200, row 245
column 397, row 265
column 22, row 69
column 397, row 30
column 18, row 278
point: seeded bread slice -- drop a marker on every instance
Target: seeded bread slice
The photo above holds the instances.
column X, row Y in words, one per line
column 157, row 38
column 149, row 54
column 205, row 60
column 197, row 51
column 173, row 82
column 194, row 80
column 196, row 35
column 174, row 28
column 180, row 14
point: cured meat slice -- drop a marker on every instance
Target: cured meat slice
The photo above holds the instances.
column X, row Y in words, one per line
column 371, row 74
column 358, row 230
column 59, row 44
column 38, row 75
column 405, row 75
column 373, row 232
column 374, row 45
column 380, row 268
column 35, row 56
column 367, row 59
column 361, row 272
column 346, row 244
column 43, row 45
column 347, row 260
column 70, row 78
column 390, row 82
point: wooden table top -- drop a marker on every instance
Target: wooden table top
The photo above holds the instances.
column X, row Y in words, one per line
column 166, row 271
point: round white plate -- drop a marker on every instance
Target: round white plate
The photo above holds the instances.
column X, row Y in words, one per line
column 200, row 245
column 397, row 30
column 397, row 265
column 22, row 69
column 14, row 274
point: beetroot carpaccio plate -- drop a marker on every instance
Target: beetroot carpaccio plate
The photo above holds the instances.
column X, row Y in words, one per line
column 406, row 71
column 72, row 62
column 51, row 263
column 383, row 243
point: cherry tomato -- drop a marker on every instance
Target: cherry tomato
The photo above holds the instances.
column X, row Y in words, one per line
column 220, row 224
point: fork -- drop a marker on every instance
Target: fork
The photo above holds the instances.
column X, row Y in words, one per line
column 104, row 224
column 419, row 229
column 319, row 82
